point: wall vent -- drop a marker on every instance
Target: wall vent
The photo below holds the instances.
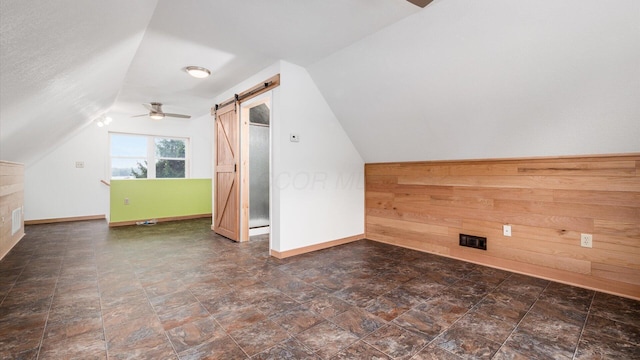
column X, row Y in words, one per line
column 476, row 242
column 16, row 220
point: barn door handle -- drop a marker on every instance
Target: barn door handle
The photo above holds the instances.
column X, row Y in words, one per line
column 235, row 167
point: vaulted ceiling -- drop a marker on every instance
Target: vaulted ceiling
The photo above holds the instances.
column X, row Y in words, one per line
column 456, row 79
column 64, row 63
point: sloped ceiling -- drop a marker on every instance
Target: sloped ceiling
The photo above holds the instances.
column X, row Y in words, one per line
column 487, row 79
column 456, row 79
column 64, row 63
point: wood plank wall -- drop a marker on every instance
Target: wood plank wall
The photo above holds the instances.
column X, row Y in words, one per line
column 11, row 197
column 548, row 202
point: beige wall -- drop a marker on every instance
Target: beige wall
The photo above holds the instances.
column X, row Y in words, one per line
column 549, row 202
column 11, row 198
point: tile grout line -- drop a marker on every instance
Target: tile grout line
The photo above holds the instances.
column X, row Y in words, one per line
column 463, row 315
column 217, row 324
column 524, row 316
column 53, row 296
column 584, row 325
column 16, row 280
column 146, row 295
column 298, row 304
column 104, row 330
column 324, row 318
column 448, row 327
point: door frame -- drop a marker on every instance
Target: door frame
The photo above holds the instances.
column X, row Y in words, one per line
column 239, row 100
column 264, row 98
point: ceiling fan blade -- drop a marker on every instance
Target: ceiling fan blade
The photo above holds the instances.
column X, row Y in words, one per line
column 421, row 3
column 148, row 106
column 147, row 114
column 178, row 116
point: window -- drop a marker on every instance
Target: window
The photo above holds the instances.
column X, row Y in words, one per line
column 132, row 154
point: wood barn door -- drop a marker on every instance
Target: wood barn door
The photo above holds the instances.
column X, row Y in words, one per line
column 227, row 194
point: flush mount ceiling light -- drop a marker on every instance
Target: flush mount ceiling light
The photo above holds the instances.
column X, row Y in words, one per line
column 156, row 116
column 198, row 72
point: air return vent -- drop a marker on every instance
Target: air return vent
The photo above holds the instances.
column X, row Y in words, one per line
column 476, row 242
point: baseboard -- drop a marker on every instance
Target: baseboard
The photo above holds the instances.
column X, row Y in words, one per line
column 165, row 219
column 316, row 247
column 66, row 219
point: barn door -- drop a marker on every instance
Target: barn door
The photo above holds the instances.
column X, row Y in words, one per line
column 227, row 195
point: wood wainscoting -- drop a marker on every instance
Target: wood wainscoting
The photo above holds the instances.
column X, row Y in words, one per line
column 11, row 203
column 549, row 203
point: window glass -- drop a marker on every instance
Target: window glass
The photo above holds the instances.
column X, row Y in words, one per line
column 170, row 169
column 125, row 145
column 132, row 154
column 170, row 148
column 128, row 168
column 170, row 154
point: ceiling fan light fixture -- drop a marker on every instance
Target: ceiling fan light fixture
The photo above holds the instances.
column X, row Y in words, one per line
column 156, row 116
column 103, row 121
column 198, row 72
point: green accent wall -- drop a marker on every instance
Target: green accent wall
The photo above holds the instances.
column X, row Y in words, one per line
column 159, row 198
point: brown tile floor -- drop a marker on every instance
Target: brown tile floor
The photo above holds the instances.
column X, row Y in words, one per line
column 176, row 291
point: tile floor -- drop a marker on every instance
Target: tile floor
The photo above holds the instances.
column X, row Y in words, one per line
column 176, row 291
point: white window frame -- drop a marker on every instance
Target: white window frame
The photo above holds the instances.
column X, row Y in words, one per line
column 151, row 154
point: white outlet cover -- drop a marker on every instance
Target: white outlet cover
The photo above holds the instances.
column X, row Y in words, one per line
column 506, row 230
column 586, row 240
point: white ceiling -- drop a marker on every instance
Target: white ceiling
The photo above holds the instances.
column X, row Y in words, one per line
column 64, row 63
column 456, row 80
column 236, row 39
column 491, row 79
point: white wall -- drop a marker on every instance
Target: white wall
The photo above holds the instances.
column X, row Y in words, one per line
column 55, row 188
column 492, row 79
column 317, row 183
column 321, row 178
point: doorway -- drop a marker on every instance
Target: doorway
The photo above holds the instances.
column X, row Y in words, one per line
column 242, row 163
column 255, row 117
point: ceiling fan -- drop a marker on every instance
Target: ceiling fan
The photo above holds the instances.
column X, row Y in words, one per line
column 421, row 3
column 156, row 113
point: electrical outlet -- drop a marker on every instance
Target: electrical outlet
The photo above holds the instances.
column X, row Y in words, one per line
column 126, row 201
column 586, row 240
column 79, row 164
column 506, row 230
